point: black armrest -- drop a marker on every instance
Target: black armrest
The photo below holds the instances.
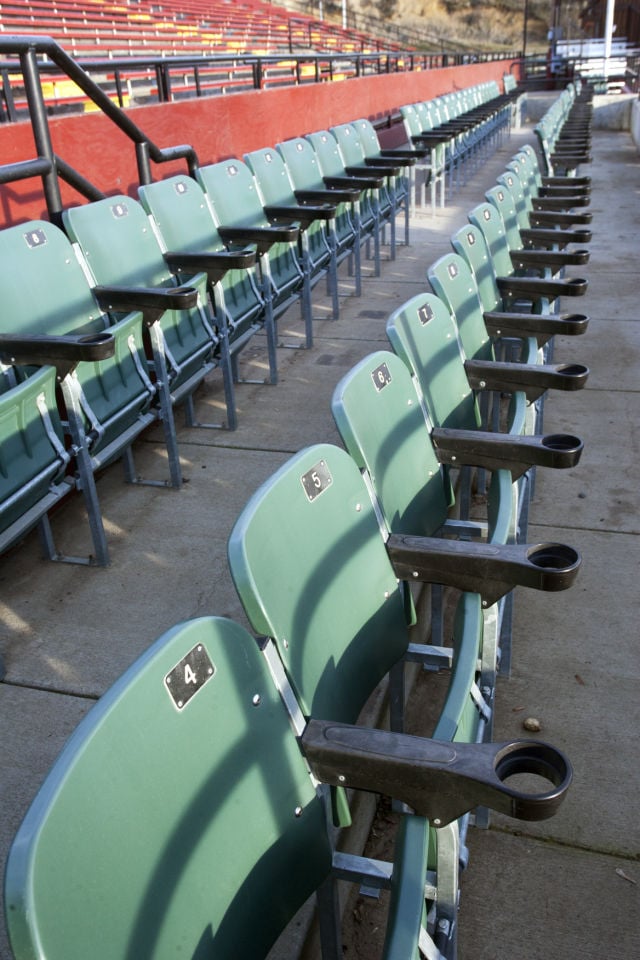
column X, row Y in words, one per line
column 64, row 352
column 386, row 164
column 502, row 451
column 342, row 195
column 437, row 779
column 402, row 155
column 555, row 259
column 348, row 183
column 369, row 179
column 536, row 288
column 559, row 202
column 542, row 235
column 573, row 183
column 531, row 379
column 263, row 237
column 491, row 570
column 151, row 301
column 538, row 325
column 304, row 215
column 215, row 265
column 570, row 159
column 431, row 138
column 551, row 190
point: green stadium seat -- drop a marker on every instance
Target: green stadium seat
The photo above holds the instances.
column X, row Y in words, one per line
column 54, row 318
column 316, row 252
column 123, row 254
column 316, row 580
column 233, row 194
column 310, row 187
column 333, row 171
column 33, row 457
column 189, row 236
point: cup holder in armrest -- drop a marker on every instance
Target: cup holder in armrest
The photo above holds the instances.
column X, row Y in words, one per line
column 542, row 760
column 440, row 780
column 573, row 376
column 492, row 570
column 562, row 441
column 572, row 324
column 565, row 449
column 556, row 558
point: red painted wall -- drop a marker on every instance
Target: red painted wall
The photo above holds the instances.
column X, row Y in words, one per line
column 217, row 127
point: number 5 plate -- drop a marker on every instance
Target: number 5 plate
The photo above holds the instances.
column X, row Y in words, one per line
column 316, row 480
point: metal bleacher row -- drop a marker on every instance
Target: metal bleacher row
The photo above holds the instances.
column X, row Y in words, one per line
column 339, row 558
column 98, row 28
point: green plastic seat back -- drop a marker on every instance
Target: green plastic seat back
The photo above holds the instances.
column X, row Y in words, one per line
column 451, row 279
column 501, row 197
column 304, row 170
column 182, row 215
column 29, row 460
column 310, row 566
column 302, row 163
column 423, row 333
column 353, row 152
column 332, row 164
column 426, row 115
column 233, row 193
column 179, row 820
column 370, row 146
column 520, row 189
column 122, row 249
column 469, row 243
column 410, row 120
column 533, row 162
column 275, row 187
column 382, row 425
column 327, row 151
column 44, row 291
column 271, row 175
column 349, row 143
column 487, row 217
column 118, row 242
column 368, row 137
column 235, row 199
column 186, row 224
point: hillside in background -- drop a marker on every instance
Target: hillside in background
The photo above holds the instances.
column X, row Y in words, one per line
column 483, row 24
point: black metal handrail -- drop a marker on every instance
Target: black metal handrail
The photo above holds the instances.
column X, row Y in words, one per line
column 47, row 165
column 152, row 79
column 36, row 57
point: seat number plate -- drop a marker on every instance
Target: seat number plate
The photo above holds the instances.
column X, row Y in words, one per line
column 381, row 377
column 316, row 480
column 189, row 676
column 425, row 314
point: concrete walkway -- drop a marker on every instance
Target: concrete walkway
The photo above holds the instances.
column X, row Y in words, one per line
column 569, row 887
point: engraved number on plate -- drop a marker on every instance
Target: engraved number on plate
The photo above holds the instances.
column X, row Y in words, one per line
column 189, row 676
column 316, row 480
column 35, row 238
column 453, row 270
column 120, row 210
column 425, row 313
column 381, row 377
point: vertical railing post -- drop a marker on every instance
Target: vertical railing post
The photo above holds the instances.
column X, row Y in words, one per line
column 41, row 132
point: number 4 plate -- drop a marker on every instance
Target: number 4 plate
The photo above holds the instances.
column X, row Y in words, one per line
column 189, row 676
